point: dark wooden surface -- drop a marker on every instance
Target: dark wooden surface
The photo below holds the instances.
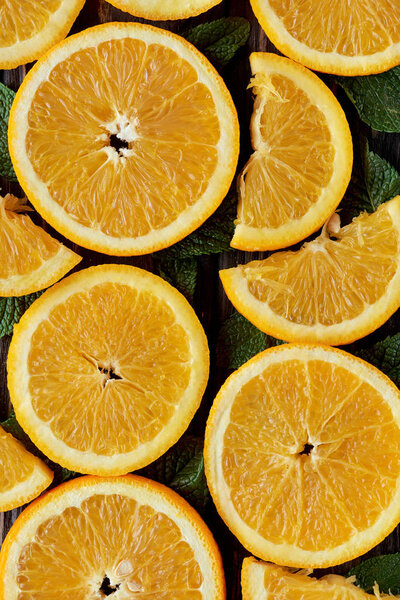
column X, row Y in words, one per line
column 210, row 302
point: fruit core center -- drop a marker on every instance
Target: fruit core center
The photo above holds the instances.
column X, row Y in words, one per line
column 109, row 374
column 308, row 448
column 107, row 589
column 117, row 143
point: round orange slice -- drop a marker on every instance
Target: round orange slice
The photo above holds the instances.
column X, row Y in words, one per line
column 124, row 537
column 163, row 10
column 107, row 368
column 22, row 476
column 302, row 455
column 346, row 38
column 30, row 27
column 124, row 138
column 30, row 259
column 336, row 289
column 303, row 156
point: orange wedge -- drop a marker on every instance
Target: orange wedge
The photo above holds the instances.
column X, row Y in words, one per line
column 264, row 580
column 163, row 10
column 334, row 290
column 30, row 259
column 346, row 38
column 22, row 476
column 126, row 537
column 303, row 156
column 124, row 138
column 302, row 455
column 30, row 27
column 107, row 368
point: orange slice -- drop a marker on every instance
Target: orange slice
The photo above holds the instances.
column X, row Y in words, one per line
column 30, row 27
column 334, row 290
column 163, row 10
column 144, row 138
column 303, row 156
column 22, row 476
column 30, row 259
column 302, row 455
column 264, row 580
column 107, row 368
column 345, row 38
column 126, row 537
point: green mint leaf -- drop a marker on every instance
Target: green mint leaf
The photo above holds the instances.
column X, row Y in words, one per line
column 12, row 309
column 182, row 274
column 182, row 469
column 239, row 340
column 6, row 99
column 220, row 40
column 383, row 570
column 385, row 355
column 376, row 98
column 212, row 237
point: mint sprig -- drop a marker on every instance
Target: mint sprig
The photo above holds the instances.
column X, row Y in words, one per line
column 12, row 309
column 383, row 570
column 182, row 274
column 6, row 99
column 385, row 355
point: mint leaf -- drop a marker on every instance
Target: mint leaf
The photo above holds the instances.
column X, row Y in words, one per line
column 376, row 98
column 385, row 355
column 6, row 99
column 182, row 469
column 12, row 309
column 239, row 340
column 182, row 274
column 383, row 570
column 220, row 40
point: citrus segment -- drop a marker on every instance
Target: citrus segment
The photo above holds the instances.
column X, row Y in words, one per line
column 107, row 368
column 302, row 161
column 302, row 455
column 163, row 10
column 128, row 537
column 340, row 37
column 30, row 27
column 144, row 138
column 334, row 290
column 30, row 259
column 22, row 476
column 265, row 580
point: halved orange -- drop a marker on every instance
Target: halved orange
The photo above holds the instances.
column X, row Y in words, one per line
column 30, row 259
column 303, row 156
column 22, row 476
column 264, row 580
column 334, row 290
column 302, row 455
column 346, row 38
column 124, row 138
column 30, row 27
column 163, row 10
column 107, row 368
column 124, row 537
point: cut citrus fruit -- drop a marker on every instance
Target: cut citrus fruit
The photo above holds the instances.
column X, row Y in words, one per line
column 127, row 537
column 107, row 368
column 345, row 38
column 144, row 138
column 30, row 27
column 302, row 455
column 265, row 580
column 22, row 476
column 333, row 290
column 163, row 10
column 30, row 259
column 303, row 156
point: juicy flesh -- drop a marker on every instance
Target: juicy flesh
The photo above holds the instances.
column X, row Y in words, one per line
column 23, row 19
column 108, row 368
column 341, row 26
column 140, row 551
column 330, row 280
column 149, row 98
column 293, row 159
column 319, row 500
column 24, row 247
column 16, row 464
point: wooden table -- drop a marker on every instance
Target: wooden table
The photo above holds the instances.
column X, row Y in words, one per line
column 210, row 301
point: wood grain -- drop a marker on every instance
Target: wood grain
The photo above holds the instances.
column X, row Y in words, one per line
column 211, row 303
